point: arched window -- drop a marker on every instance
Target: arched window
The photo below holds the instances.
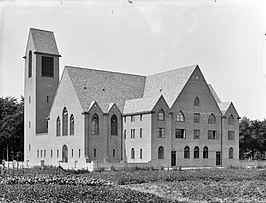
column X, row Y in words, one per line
column 114, row 125
column 180, row 117
column 186, row 153
column 95, row 124
column 231, row 153
column 72, row 124
column 113, row 153
column 196, row 102
column 94, row 153
column 30, row 64
column 132, row 153
column 205, row 152
column 212, row 119
column 231, row 120
column 65, row 121
column 161, row 152
column 160, row 116
column 58, row 126
column 196, row 152
column 64, row 154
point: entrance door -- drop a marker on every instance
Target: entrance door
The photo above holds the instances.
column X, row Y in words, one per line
column 218, row 158
column 173, row 158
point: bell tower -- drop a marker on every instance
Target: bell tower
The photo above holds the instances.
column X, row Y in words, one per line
column 40, row 83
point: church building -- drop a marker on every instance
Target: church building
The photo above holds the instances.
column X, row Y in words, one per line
column 93, row 118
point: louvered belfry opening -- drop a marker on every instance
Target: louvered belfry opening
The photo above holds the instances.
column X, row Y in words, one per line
column 47, row 66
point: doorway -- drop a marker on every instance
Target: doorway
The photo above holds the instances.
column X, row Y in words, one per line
column 218, row 158
column 173, row 158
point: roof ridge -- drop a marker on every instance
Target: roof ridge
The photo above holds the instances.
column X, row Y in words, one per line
column 41, row 30
column 172, row 70
column 106, row 71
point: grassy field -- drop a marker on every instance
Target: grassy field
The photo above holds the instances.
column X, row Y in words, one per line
column 134, row 185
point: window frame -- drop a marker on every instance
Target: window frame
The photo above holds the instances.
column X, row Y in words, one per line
column 231, row 153
column 214, row 133
column 114, row 125
column 161, row 132
column 196, row 118
column 161, row 115
column 212, row 119
column 181, row 134
column 197, row 101
column 205, row 152
column 196, row 152
column 95, row 124
column 186, row 152
column 196, row 134
column 72, row 125
column 160, row 152
column 180, row 117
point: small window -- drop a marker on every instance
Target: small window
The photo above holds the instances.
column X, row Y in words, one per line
column 125, row 119
column 186, row 152
column 72, row 124
column 30, row 64
column 212, row 135
column 132, row 133
column 44, row 153
column 196, row 134
column 51, row 153
column 160, row 116
column 58, row 126
column 160, row 152
column 29, row 99
column 95, row 153
column 140, row 132
column 41, row 153
column 132, row 118
column 212, row 119
column 47, row 99
column 125, row 134
column 57, row 153
column 72, row 153
column 114, row 125
column 95, row 124
column 29, row 147
column 196, row 152
column 161, row 132
column 140, row 117
column 196, row 102
column 231, row 120
column 231, row 153
column 196, row 117
column 180, row 117
column 180, row 133
column 132, row 153
column 140, row 154
column 79, row 153
column 231, row 135
column 37, row 153
column 47, row 66
column 47, row 124
column 29, row 124
column 205, row 152
column 113, row 153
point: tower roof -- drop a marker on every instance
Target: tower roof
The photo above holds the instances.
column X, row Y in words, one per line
column 44, row 41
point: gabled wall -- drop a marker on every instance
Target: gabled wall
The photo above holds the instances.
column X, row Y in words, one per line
column 196, row 87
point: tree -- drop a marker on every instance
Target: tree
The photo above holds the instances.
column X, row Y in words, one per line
column 11, row 128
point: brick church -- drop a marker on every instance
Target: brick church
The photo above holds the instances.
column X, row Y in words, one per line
column 91, row 118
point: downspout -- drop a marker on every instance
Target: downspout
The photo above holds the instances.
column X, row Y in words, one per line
column 222, row 139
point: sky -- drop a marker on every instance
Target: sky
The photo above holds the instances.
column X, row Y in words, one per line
column 226, row 38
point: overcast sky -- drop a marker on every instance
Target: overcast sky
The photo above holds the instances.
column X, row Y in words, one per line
column 225, row 38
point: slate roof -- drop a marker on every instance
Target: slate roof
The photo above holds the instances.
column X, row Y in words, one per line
column 169, row 84
column 139, row 105
column 224, row 106
column 105, row 87
column 44, row 41
column 217, row 99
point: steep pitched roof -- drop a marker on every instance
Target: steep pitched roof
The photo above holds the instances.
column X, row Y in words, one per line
column 217, row 99
column 224, row 106
column 44, row 41
column 139, row 105
column 169, row 84
column 105, row 87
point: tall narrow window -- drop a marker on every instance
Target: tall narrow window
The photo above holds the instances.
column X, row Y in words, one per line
column 64, row 154
column 180, row 117
column 140, row 133
column 57, row 153
column 161, row 152
column 205, row 152
column 212, row 119
column 196, row 152
column 113, row 153
column 125, row 134
column 65, row 121
column 132, row 118
column 51, row 153
column 196, row 102
column 186, row 152
column 231, row 153
column 30, row 64
column 231, row 120
column 29, row 99
column 72, row 153
column 47, row 66
column 47, row 99
column 114, row 125
column 95, row 124
column 140, row 154
column 79, row 153
column 95, row 153
column 140, row 117
column 72, row 124
column 58, row 126
column 132, row 153
column 160, row 116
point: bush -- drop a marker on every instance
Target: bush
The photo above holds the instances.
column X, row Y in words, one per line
column 99, row 170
